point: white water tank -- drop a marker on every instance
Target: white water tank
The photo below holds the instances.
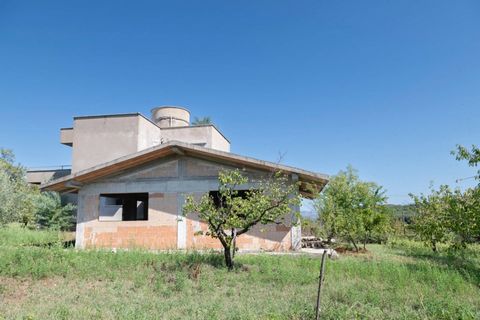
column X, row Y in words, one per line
column 171, row 116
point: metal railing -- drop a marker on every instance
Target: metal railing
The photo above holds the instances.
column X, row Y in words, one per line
column 50, row 168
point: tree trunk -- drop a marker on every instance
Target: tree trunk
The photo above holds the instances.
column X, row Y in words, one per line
column 365, row 242
column 354, row 244
column 234, row 242
column 434, row 246
column 227, row 251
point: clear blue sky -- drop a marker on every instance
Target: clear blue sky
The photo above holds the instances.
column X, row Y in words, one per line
column 387, row 86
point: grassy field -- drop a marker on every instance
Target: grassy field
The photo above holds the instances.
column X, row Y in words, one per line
column 43, row 280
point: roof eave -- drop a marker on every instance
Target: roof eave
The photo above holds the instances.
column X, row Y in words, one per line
column 150, row 154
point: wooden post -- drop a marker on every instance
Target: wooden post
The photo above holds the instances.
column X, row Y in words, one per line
column 320, row 281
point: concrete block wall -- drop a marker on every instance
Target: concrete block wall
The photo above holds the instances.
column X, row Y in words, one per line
column 167, row 182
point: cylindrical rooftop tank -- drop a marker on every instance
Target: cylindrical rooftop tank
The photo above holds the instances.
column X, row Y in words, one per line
column 171, row 116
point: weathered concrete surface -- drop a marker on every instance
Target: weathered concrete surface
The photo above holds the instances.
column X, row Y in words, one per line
column 99, row 139
column 167, row 181
column 66, row 136
column 206, row 136
column 172, row 148
column 171, row 116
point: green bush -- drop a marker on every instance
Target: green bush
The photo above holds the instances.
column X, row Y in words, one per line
column 52, row 214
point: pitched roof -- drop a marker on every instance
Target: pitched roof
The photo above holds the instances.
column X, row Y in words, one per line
column 73, row 181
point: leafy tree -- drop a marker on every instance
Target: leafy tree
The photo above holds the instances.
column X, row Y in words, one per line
column 402, row 215
column 353, row 209
column 201, row 121
column 17, row 197
column 430, row 223
column 467, row 205
column 311, row 227
column 402, row 212
column 472, row 156
column 448, row 216
column 52, row 214
column 463, row 217
column 23, row 203
column 234, row 212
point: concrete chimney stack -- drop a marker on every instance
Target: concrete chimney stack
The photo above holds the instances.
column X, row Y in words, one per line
column 171, row 116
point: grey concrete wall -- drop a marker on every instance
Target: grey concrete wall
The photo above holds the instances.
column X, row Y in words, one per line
column 206, row 136
column 148, row 134
column 42, row 176
column 98, row 140
column 66, row 136
column 167, row 181
column 218, row 141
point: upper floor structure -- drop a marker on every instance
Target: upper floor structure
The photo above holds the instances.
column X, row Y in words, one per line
column 98, row 139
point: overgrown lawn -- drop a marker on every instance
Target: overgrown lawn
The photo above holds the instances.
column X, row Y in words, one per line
column 401, row 282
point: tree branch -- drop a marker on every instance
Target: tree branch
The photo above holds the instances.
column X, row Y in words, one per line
column 254, row 222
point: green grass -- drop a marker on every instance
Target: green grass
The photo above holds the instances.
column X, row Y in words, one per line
column 405, row 281
column 16, row 235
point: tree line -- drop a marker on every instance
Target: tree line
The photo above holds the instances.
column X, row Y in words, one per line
column 21, row 202
column 357, row 211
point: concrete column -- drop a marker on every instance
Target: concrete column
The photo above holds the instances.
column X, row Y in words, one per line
column 296, row 228
column 79, row 230
column 181, row 223
column 79, row 241
column 296, row 237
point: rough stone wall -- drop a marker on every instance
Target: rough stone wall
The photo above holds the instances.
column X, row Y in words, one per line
column 167, row 181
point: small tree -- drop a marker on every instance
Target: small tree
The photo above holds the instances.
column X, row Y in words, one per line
column 463, row 217
column 352, row 209
column 17, row 197
column 448, row 216
column 469, row 203
column 235, row 213
column 52, row 214
column 430, row 223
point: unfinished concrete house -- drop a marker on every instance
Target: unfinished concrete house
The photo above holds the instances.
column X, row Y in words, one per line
column 131, row 175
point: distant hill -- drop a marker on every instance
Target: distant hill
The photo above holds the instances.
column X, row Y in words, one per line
column 404, row 211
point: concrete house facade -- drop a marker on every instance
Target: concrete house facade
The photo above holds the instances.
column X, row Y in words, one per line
column 130, row 176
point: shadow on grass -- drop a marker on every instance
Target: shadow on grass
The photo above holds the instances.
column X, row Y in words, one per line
column 175, row 261
column 465, row 263
column 193, row 261
column 65, row 244
column 214, row 259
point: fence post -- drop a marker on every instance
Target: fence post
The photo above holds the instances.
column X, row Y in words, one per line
column 320, row 281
